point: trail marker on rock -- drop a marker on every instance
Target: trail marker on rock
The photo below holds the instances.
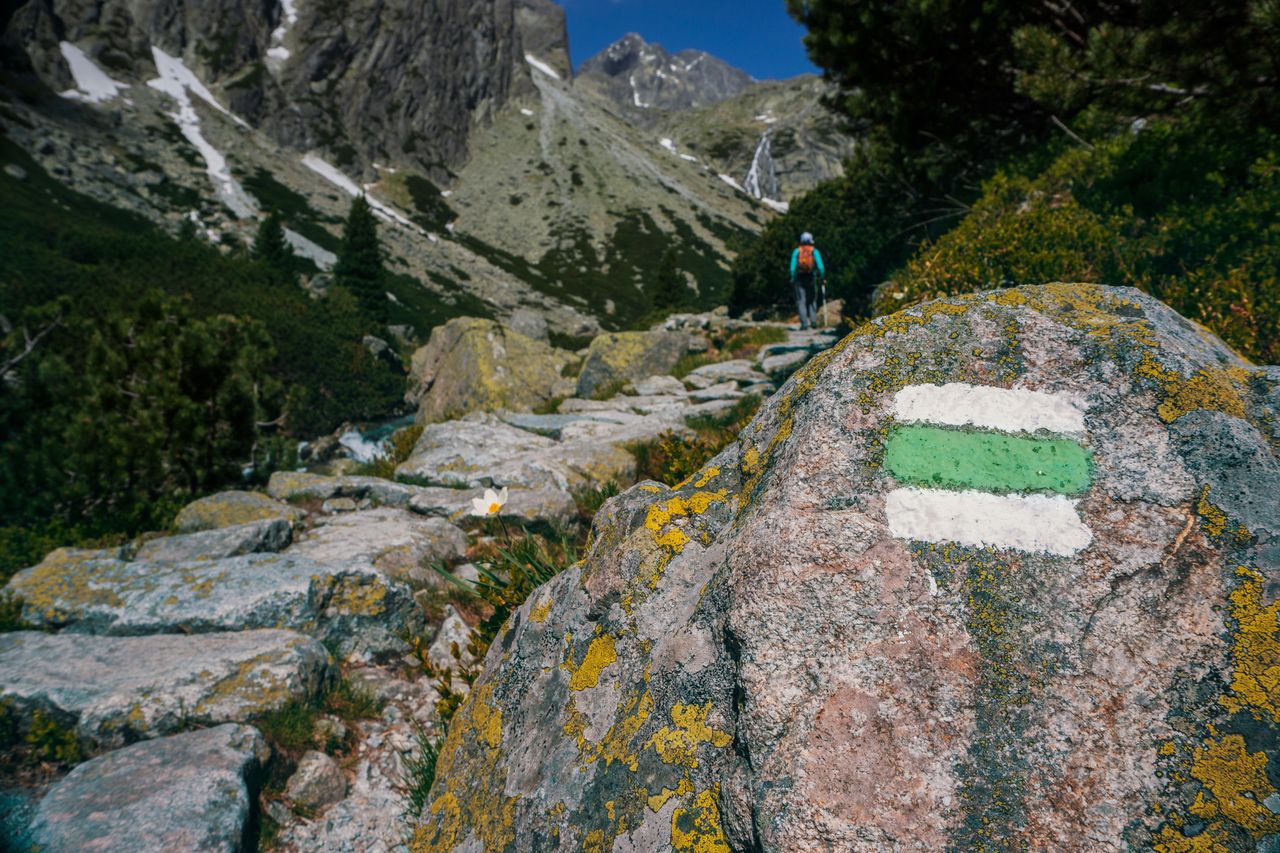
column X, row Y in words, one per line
column 988, row 467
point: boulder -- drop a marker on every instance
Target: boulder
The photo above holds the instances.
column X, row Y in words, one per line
column 318, row 782
column 997, row 572
column 256, row 537
column 193, row 791
column 618, row 357
column 353, row 606
column 472, row 365
column 228, row 509
column 400, row 543
column 114, row 690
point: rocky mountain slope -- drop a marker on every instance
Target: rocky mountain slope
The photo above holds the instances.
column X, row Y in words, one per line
column 775, row 139
column 637, row 75
column 506, row 187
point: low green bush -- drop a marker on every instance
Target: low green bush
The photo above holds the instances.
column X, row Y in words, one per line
column 1185, row 212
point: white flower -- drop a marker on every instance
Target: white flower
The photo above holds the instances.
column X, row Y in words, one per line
column 491, row 504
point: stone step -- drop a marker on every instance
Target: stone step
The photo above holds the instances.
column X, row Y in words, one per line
column 113, row 690
column 192, row 791
column 352, row 606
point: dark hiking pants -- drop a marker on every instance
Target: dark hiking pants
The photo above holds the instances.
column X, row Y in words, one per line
column 806, row 285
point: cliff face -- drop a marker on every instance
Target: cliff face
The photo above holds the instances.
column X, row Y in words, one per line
column 397, row 81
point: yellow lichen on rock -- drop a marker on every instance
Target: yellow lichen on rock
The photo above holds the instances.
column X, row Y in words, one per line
column 663, row 513
column 1255, row 678
column 474, row 799
column 540, row 611
column 697, row 829
column 1213, row 390
column 1237, row 784
column 679, row 742
column 600, row 653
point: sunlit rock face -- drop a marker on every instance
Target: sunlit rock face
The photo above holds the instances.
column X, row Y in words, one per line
column 994, row 573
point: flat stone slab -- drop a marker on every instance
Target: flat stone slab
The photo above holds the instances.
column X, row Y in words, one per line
column 784, row 362
column 113, row 690
column 723, row 391
column 351, row 605
column 256, row 537
column 227, row 509
column 189, row 792
column 659, row 385
column 403, row 544
column 738, row 370
column 526, row 506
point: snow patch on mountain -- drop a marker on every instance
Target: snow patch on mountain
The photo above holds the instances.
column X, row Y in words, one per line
column 93, row 86
column 541, row 66
column 334, row 175
column 177, row 81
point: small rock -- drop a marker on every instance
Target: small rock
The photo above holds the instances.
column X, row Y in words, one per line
column 15, row 171
column 318, row 782
column 337, row 505
column 452, row 630
column 330, row 730
column 467, row 572
column 192, row 791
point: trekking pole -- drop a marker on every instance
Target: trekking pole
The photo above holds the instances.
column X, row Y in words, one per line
column 824, row 303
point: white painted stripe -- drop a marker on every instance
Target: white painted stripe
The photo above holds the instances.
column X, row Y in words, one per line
column 1010, row 410
column 1023, row 522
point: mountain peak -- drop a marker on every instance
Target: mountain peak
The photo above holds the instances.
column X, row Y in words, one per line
column 638, row 74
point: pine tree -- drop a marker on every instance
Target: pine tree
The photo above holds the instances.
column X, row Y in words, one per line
column 670, row 292
column 359, row 268
column 271, row 247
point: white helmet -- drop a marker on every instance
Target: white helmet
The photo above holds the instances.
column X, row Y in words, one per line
column 806, row 239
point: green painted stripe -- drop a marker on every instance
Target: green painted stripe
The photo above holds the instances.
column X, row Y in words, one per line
column 987, row 461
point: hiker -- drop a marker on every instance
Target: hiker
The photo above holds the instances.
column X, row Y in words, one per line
column 807, row 273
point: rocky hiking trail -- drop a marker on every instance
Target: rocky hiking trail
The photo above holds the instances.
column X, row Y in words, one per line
column 156, row 660
column 994, row 572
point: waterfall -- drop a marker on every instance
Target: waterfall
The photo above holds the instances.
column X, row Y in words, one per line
column 762, row 179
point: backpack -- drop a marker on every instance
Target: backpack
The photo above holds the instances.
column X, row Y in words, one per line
column 806, row 263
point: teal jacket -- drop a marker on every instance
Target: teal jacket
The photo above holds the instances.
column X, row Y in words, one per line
column 817, row 259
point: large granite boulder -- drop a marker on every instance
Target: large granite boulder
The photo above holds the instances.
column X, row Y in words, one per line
column 619, row 357
column 400, row 543
column 472, row 365
column 997, row 572
column 229, row 509
column 190, row 792
column 352, row 606
column 114, row 690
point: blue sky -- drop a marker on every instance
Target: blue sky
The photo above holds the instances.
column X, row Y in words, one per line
column 757, row 36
